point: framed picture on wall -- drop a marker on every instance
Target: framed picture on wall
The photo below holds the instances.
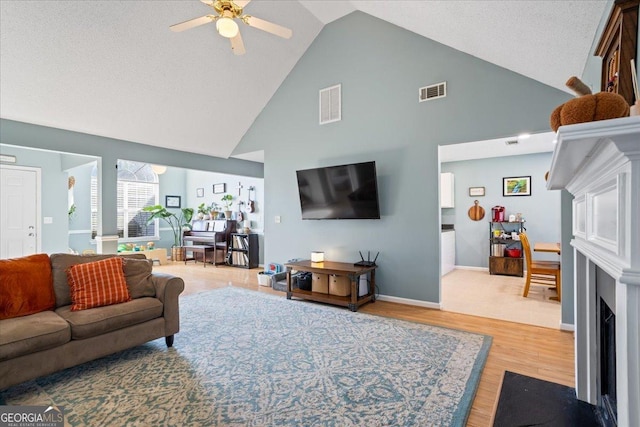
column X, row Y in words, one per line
column 199, row 192
column 516, row 186
column 219, row 188
column 172, row 201
column 476, row 191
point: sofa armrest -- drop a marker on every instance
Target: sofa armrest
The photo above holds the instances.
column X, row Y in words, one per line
column 168, row 289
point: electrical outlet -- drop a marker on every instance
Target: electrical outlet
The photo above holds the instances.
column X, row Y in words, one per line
column 277, row 219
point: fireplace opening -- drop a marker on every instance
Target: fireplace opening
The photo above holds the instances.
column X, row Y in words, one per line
column 607, row 401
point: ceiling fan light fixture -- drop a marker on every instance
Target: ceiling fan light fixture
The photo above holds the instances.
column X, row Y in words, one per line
column 227, row 27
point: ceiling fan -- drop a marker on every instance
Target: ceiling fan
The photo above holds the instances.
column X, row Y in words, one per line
column 227, row 13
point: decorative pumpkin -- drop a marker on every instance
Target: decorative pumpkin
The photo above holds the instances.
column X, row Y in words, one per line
column 588, row 107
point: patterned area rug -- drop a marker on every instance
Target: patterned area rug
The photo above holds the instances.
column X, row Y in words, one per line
column 243, row 358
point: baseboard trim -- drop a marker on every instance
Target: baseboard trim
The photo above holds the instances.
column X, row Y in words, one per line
column 567, row 327
column 408, row 301
column 466, row 267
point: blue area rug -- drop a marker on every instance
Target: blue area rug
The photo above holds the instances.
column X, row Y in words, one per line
column 244, row 358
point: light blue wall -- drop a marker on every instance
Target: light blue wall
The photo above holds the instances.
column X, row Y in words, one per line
column 175, row 181
column 568, row 293
column 109, row 150
column 54, row 189
column 541, row 210
column 199, row 179
column 80, row 223
column 381, row 67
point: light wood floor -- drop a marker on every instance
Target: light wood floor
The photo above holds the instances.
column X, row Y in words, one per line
column 530, row 350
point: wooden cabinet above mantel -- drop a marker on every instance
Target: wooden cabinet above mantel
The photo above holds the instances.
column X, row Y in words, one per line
column 617, row 47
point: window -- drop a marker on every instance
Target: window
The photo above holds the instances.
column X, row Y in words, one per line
column 137, row 187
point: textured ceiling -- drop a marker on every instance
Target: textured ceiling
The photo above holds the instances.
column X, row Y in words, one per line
column 113, row 68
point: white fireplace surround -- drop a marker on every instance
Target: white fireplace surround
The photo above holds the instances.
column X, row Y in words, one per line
column 599, row 163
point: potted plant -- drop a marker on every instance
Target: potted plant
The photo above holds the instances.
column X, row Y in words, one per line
column 202, row 211
column 227, row 199
column 214, row 209
column 177, row 221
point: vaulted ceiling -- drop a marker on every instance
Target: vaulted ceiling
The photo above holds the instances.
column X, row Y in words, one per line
column 113, row 68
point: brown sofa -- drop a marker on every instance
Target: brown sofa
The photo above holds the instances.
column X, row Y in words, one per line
column 48, row 341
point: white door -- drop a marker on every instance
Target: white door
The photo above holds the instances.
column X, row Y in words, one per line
column 19, row 228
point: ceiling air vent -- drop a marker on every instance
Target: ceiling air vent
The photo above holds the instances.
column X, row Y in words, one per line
column 436, row 91
column 330, row 104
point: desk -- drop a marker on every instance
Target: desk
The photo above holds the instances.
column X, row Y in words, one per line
column 338, row 268
column 547, row 247
column 158, row 254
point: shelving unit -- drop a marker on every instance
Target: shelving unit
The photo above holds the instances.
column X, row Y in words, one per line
column 504, row 265
column 243, row 250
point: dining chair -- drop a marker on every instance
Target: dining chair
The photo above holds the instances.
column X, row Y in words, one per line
column 546, row 273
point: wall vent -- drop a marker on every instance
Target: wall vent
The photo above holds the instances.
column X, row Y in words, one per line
column 330, row 104
column 435, row 91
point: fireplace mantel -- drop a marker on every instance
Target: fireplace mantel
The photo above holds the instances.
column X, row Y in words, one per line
column 599, row 164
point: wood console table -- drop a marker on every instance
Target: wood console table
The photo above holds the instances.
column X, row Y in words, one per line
column 340, row 269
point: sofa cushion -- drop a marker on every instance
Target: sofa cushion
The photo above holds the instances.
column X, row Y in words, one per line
column 26, row 286
column 137, row 273
column 100, row 320
column 96, row 284
column 29, row 334
column 61, row 262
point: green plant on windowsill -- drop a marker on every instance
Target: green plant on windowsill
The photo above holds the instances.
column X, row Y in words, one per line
column 178, row 222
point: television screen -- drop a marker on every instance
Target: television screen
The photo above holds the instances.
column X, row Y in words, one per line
column 339, row 192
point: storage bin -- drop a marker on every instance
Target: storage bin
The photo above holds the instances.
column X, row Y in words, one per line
column 512, row 253
column 264, row 279
column 320, row 283
column 267, row 278
column 339, row 285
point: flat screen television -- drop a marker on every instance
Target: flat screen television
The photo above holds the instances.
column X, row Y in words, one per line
column 339, row 192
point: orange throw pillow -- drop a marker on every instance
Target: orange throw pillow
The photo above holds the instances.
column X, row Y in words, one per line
column 26, row 286
column 96, row 284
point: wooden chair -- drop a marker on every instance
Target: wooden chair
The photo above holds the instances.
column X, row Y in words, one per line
column 542, row 272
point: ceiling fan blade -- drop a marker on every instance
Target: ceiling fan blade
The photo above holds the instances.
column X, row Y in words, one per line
column 192, row 23
column 240, row 3
column 267, row 26
column 237, row 45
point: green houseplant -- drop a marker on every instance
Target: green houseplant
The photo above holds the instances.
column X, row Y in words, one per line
column 227, row 199
column 202, row 210
column 213, row 210
column 177, row 222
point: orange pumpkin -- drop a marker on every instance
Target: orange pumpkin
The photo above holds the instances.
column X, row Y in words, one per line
column 588, row 107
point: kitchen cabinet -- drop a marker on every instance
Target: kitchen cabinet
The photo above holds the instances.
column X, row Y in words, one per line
column 447, row 251
column 446, row 190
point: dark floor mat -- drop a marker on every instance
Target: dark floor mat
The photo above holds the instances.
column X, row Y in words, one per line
column 526, row 401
